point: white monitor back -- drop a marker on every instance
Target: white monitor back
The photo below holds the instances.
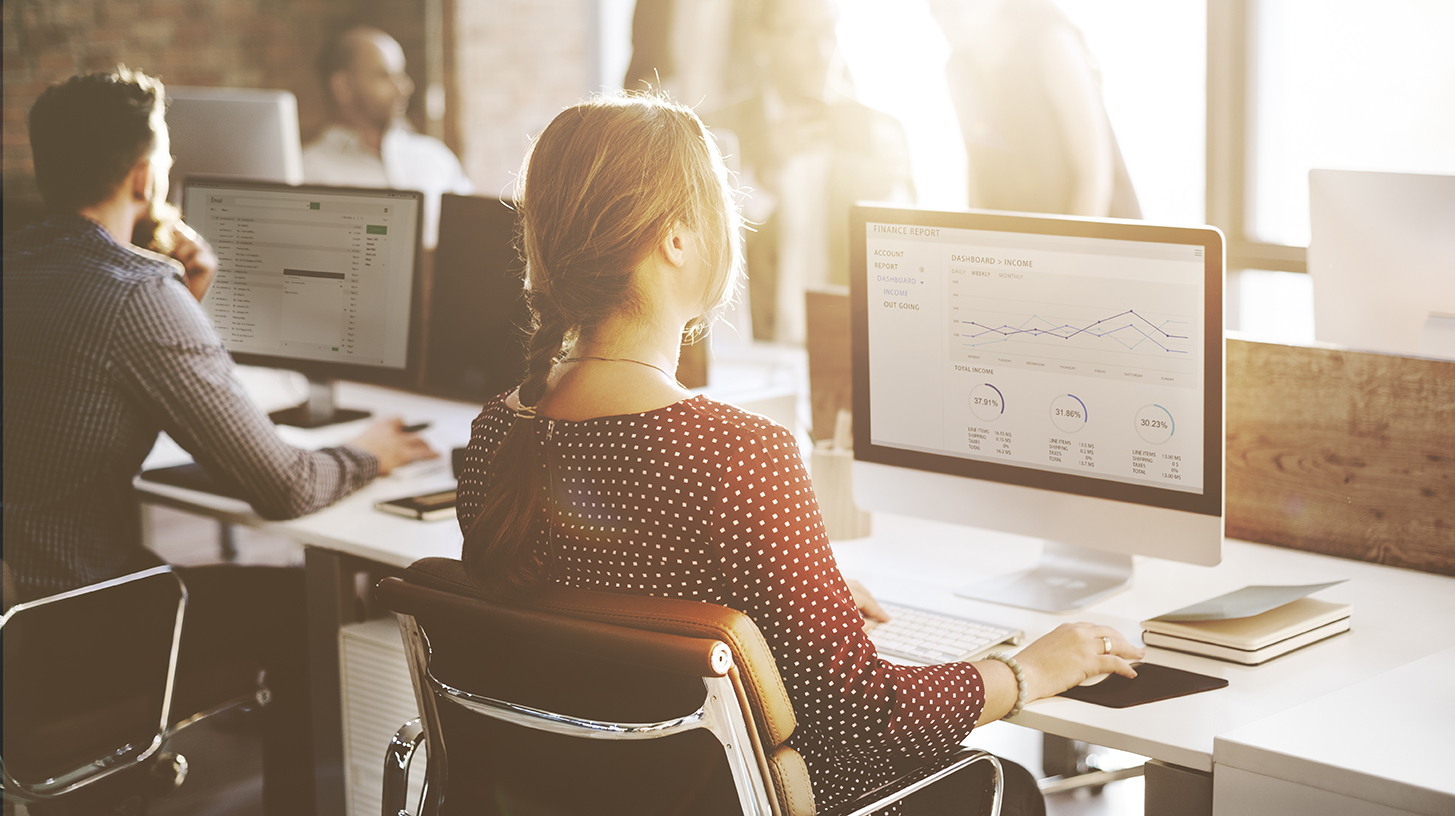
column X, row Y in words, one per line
column 1382, row 258
column 242, row 133
column 1095, row 523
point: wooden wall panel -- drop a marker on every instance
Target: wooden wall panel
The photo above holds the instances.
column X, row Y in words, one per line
column 1341, row 452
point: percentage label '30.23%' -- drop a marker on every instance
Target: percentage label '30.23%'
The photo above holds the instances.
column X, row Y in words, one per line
column 1155, row 424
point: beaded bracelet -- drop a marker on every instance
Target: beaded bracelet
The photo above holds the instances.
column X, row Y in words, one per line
column 1020, row 680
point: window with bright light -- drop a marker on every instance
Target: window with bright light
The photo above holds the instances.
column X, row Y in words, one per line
column 1152, row 55
column 1348, row 85
column 897, row 61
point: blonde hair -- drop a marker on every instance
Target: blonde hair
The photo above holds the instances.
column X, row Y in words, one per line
column 603, row 184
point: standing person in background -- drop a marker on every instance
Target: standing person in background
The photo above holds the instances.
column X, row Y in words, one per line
column 105, row 346
column 695, row 50
column 370, row 143
column 1028, row 95
column 808, row 152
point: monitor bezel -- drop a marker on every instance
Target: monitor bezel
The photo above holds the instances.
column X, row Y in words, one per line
column 507, row 316
column 323, row 370
column 1209, row 502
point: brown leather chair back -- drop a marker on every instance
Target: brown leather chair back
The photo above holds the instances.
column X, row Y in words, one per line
column 604, row 656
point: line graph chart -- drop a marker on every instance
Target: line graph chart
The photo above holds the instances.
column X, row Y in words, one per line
column 1064, row 334
column 1128, row 329
column 1100, row 323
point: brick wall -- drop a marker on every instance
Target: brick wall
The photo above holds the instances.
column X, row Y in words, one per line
column 511, row 65
column 238, row 43
column 518, row 63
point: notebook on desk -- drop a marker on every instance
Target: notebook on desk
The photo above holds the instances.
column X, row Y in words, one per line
column 1253, row 639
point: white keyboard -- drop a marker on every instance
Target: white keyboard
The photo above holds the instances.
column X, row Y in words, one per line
column 931, row 637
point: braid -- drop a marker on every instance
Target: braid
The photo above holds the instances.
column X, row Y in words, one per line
column 545, row 345
column 498, row 548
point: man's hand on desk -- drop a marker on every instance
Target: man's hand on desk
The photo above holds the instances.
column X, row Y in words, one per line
column 392, row 445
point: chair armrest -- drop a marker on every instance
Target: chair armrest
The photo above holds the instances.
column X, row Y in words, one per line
column 397, row 758
column 916, row 779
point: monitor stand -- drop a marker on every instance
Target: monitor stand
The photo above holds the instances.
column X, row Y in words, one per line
column 318, row 411
column 1067, row 578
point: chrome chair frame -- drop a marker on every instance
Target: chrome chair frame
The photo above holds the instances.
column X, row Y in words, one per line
column 125, row 756
column 720, row 713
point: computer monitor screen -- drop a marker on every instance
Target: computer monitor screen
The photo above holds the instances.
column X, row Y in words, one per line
column 1048, row 376
column 314, row 279
column 1382, row 259
column 240, row 133
column 478, row 321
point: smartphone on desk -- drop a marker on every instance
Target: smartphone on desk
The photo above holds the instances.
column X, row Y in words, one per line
column 426, row 507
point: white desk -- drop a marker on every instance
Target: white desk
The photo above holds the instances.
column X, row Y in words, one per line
column 915, row 562
column 1378, row 747
column 921, row 562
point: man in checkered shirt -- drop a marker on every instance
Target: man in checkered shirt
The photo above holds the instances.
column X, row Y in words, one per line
column 105, row 345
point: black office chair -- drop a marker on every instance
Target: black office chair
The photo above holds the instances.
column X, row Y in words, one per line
column 600, row 703
column 88, row 695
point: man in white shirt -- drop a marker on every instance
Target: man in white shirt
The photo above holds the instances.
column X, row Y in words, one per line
column 370, row 143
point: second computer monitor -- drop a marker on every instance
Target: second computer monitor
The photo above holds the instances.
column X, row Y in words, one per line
column 239, row 133
column 1052, row 377
column 1382, row 259
column 320, row 280
column 478, row 320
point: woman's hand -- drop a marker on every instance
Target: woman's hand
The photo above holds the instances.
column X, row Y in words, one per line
column 1073, row 652
column 868, row 607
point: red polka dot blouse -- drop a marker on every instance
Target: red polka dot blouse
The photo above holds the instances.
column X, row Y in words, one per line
column 704, row 501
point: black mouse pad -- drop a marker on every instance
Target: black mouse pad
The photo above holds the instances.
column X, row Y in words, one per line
column 1152, row 683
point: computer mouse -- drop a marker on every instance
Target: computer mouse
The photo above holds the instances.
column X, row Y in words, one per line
column 1094, row 679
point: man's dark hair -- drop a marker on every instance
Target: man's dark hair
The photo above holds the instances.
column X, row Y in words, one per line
column 337, row 53
column 88, row 132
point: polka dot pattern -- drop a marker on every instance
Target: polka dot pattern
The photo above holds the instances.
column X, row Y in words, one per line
column 704, row 501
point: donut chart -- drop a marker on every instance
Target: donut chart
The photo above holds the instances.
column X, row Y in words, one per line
column 1068, row 413
column 986, row 402
column 1155, row 424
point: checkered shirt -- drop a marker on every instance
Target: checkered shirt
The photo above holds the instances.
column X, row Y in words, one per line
column 104, row 348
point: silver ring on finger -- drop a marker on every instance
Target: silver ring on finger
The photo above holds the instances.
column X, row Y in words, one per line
column 1106, row 645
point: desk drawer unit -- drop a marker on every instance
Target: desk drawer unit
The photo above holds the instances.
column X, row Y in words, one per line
column 377, row 698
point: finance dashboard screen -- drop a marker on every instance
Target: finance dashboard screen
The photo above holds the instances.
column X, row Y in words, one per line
column 1061, row 354
column 310, row 274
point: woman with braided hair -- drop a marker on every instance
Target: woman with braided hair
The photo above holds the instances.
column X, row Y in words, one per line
column 601, row 472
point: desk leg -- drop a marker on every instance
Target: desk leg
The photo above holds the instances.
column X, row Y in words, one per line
column 329, row 589
column 1172, row 789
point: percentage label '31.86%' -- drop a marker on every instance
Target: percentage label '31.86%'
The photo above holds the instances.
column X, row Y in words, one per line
column 1155, row 424
column 1068, row 413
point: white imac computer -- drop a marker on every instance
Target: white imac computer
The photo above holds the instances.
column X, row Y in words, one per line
column 1053, row 377
column 1382, row 259
column 243, row 133
column 319, row 280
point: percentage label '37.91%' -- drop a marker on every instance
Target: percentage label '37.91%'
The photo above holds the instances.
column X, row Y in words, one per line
column 986, row 402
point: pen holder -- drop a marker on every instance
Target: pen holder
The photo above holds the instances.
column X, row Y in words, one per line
column 833, row 486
